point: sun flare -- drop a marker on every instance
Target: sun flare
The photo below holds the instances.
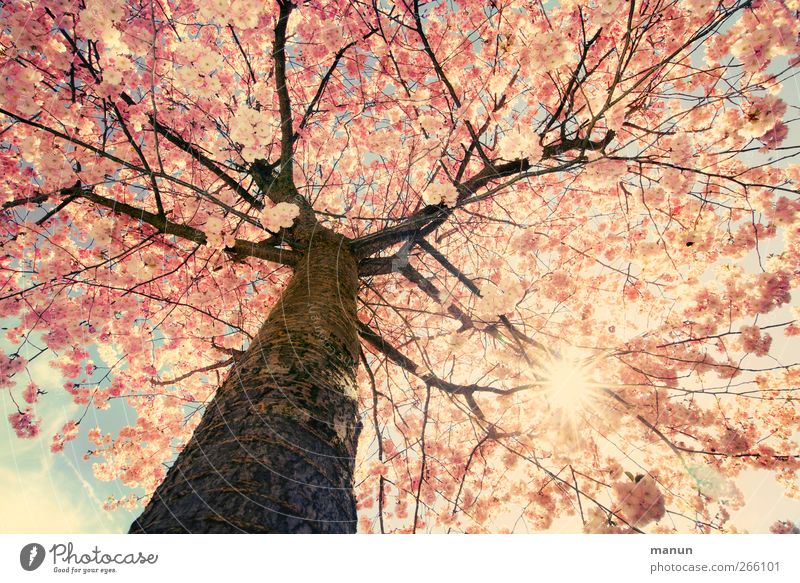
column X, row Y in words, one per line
column 570, row 391
column 567, row 382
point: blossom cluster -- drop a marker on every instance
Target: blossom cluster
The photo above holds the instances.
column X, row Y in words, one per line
column 280, row 216
column 754, row 341
column 784, row 527
column 441, row 193
column 25, row 424
column 640, row 501
column 499, row 300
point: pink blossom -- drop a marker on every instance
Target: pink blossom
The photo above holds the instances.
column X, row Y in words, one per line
column 775, row 137
column 31, row 393
column 784, row 527
column 25, row 424
column 640, row 500
column 9, row 367
column 753, row 341
column 773, row 291
column 57, row 338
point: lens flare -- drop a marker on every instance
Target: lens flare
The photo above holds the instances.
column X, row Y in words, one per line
column 570, row 392
column 567, row 383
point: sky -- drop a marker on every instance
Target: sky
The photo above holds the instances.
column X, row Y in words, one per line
column 42, row 492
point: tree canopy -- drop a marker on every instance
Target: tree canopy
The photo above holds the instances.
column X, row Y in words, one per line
column 576, row 224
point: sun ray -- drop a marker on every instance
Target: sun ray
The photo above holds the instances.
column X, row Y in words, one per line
column 570, row 391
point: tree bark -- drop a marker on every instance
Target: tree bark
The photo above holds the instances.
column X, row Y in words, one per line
column 275, row 450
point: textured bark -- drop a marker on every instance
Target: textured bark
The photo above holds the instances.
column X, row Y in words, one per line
column 274, row 452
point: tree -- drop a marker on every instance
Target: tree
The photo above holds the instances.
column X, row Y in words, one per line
column 408, row 266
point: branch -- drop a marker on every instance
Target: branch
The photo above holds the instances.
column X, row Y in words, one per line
column 466, row 321
column 195, row 153
column 50, row 214
column 35, row 199
column 433, row 292
column 445, row 262
column 379, row 343
column 470, row 285
column 321, row 89
column 677, row 449
column 284, row 103
column 443, row 78
column 185, row 376
column 431, row 217
column 124, row 163
column 244, row 55
column 142, row 157
column 370, row 244
column 241, row 248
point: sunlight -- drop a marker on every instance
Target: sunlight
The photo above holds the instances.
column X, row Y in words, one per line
column 567, row 381
column 570, row 392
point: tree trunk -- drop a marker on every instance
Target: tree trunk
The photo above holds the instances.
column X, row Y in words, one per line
column 275, row 450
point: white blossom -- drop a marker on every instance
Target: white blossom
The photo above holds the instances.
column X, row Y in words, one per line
column 281, row 216
column 441, row 193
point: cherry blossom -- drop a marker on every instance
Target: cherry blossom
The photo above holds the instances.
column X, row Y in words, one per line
column 784, row 527
column 640, row 500
column 25, row 424
column 569, row 231
column 280, row 216
column 441, row 193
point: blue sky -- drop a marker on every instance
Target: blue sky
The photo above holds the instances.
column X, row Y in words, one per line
column 55, row 493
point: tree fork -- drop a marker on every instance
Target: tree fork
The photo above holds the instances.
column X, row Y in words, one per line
column 275, row 450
